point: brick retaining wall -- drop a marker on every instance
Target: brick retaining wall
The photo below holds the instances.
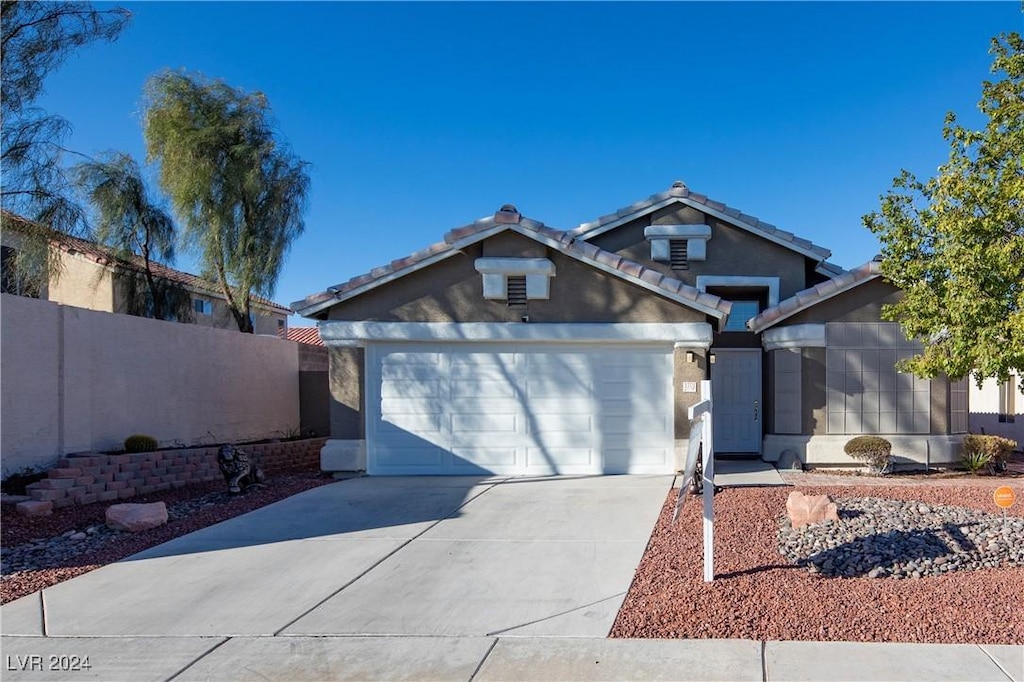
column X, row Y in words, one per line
column 90, row 477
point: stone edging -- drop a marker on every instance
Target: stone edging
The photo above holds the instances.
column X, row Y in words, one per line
column 90, row 477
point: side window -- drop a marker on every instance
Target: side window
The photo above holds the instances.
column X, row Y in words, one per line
column 202, row 306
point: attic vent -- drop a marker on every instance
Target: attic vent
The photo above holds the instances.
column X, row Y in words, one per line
column 516, row 291
column 677, row 254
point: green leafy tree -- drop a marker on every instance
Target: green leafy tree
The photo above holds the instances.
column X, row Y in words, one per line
column 237, row 188
column 955, row 243
column 138, row 229
column 37, row 37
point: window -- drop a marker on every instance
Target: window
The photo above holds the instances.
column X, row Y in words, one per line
column 202, row 307
column 863, row 391
column 1007, row 400
column 741, row 312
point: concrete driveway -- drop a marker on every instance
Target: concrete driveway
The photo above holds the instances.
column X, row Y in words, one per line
column 422, row 556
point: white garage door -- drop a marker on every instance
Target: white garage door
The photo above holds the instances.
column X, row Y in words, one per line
column 524, row 409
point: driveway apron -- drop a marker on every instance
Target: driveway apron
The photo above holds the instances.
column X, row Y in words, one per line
column 406, row 556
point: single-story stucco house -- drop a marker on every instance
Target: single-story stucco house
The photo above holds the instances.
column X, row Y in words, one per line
column 514, row 348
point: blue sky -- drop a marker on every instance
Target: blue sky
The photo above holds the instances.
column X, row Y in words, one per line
column 421, row 117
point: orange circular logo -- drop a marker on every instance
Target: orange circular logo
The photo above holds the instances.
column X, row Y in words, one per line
column 1004, row 496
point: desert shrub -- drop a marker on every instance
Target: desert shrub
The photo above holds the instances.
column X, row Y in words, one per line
column 872, row 450
column 975, row 461
column 991, row 451
column 139, row 443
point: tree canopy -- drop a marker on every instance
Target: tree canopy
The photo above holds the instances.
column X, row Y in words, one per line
column 37, row 38
column 239, row 191
column 955, row 243
column 129, row 221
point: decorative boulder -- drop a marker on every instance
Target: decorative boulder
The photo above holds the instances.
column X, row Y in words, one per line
column 807, row 509
column 136, row 517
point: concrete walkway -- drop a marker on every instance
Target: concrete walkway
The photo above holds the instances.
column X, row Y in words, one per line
column 417, row 578
column 738, row 473
column 289, row 658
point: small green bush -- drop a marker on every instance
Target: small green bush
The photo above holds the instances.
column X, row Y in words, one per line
column 991, row 451
column 874, row 451
column 140, row 443
column 975, row 461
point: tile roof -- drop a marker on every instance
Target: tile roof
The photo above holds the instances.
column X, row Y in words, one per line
column 508, row 218
column 104, row 256
column 680, row 193
column 803, row 300
column 307, row 335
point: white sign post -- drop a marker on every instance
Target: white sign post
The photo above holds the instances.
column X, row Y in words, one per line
column 703, row 412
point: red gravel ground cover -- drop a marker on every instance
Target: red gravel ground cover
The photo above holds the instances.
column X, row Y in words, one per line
column 757, row 595
column 16, row 528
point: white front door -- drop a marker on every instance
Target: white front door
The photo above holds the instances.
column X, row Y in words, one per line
column 736, row 397
column 520, row 409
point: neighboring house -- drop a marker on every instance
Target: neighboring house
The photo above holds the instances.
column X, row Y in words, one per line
column 93, row 277
column 307, row 335
column 515, row 348
column 997, row 408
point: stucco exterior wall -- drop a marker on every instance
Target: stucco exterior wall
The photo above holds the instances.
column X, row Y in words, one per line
column 83, row 283
column 79, row 380
column 861, row 304
column 452, row 291
column 730, row 251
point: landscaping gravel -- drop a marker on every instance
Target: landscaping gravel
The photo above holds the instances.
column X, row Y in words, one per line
column 759, row 594
column 883, row 538
column 39, row 552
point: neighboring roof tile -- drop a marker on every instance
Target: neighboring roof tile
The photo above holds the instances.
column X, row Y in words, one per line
column 802, row 300
column 680, row 192
column 307, row 335
column 104, row 256
column 480, row 229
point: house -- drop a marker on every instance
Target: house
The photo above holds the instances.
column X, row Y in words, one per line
column 93, row 277
column 997, row 408
column 514, row 348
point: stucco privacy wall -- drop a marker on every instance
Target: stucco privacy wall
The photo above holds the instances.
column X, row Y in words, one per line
column 77, row 380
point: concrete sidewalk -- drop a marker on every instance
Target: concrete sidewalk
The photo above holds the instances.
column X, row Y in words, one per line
column 137, row 659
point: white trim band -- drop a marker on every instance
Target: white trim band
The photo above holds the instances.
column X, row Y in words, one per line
column 696, row 335
column 794, row 336
column 769, row 283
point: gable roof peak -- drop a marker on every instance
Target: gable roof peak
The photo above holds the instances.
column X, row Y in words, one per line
column 680, row 193
column 507, row 215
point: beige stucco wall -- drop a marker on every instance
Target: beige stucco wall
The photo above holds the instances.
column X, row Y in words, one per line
column 76, row 380
column 82, row 283
column 266, row 322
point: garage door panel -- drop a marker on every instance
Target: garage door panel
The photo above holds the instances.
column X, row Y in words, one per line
column 412, row 389
column 484, row 423
column 480, row 387
column 392, row 406
column 491, row 458
column 558, row 423
column 565, row 386
column 559, row 458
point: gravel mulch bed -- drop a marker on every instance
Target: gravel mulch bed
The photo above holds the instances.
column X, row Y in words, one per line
column 767, row 587
column 38, row 552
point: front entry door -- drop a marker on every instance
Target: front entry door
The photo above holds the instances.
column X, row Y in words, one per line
column 736, row 400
